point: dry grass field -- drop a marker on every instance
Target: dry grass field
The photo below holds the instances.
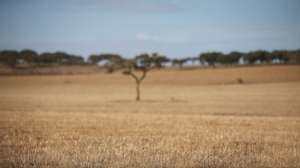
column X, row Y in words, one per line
column 188, row 118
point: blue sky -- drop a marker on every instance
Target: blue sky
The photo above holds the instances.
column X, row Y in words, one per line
column 176, row 28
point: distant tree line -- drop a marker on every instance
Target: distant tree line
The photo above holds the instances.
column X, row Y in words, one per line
column 30, row 57
column 114, row 61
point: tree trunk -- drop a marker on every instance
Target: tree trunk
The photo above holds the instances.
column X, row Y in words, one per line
column 137, row 91
column 138, row 81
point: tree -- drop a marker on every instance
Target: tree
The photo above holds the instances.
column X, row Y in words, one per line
column 29, row 56
column 94, row 59
column 72, row 60
column 262, row 55
column 133, row 67
column 143, row 60
column 59, row 57
column 294, row 57
column 234, row 57
column 179, row 62
column 280, row 55
column 9, row 57
column 259, row 55
column 112, row 61
column 47, row 58
column 159, row 60
column 231, row 58
column 250, row 58
column 154, row 60
column 130, row 69
column 223, row 59
column 210, row 57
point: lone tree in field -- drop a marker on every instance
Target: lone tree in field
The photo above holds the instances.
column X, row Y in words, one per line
column 138, row 68
column 131, row 70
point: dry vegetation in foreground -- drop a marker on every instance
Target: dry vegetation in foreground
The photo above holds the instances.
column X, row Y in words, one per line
column 185, row 119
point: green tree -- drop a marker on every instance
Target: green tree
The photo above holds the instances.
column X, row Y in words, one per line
column 72, row 60
column 29, row 56
column 234, row 57
column 281, row 55
column 210, row 57
column 9, row 57
column 113, row 61
column 47, row 58
column 154, row 60
column 94, row 59
column 263, row 56
column 159, row 60
column 223, row 59
column 144, row 60
column 250, row 57
column 231, row 58
column 179, row 62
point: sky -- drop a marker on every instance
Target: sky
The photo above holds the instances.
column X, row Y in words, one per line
column 176, row 28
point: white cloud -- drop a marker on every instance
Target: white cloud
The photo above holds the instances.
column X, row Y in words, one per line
column 147, row 37
column 170, row 37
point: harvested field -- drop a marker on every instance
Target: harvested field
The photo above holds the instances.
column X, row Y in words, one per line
column 193, row 118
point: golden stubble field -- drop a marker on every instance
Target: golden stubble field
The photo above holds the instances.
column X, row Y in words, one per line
column 187, row 118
